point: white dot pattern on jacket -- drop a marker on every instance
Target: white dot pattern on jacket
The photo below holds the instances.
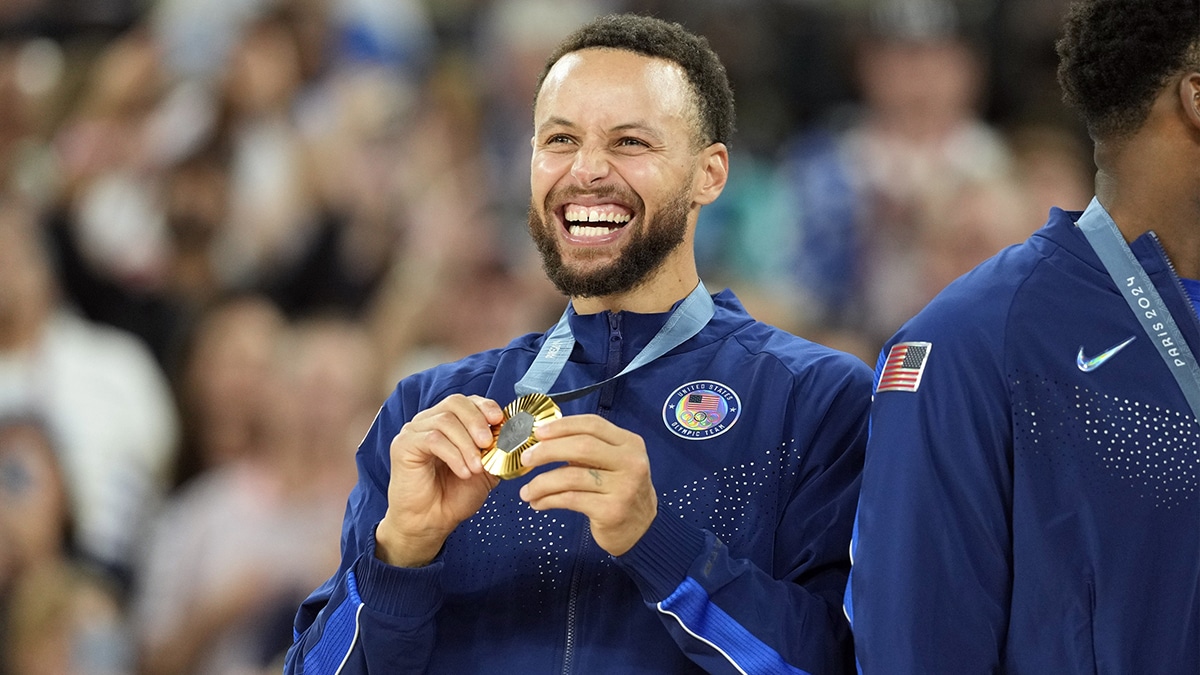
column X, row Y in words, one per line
column 1153, row 452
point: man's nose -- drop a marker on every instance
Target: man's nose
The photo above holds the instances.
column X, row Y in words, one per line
column 590, row 165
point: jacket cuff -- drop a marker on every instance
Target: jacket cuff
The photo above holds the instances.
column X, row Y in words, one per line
column 660, row 560
column 398, row 591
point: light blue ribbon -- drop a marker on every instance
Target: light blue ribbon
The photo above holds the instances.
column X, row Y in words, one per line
column 688, row 319
column 1143, row 298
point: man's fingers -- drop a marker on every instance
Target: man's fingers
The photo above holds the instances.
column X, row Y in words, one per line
column 492, row 412
column 458, row 454
column 565, row 479
column 454, row 431
column 589, row 451
column 475, row 413
column 580, row 450
column 583, row 425
column 579, row 502
column 575, row 491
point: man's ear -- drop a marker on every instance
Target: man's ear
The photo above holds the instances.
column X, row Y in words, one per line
column 1189, row 98
column 712, row 169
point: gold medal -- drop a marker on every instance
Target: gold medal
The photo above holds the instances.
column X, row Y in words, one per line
column 515, row 434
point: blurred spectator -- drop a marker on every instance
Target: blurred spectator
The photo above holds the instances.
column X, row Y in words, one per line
column 312, row 218
column 196, row 208
column 357, row 125
column 181, row 191
column 858, row 193
column 110, row 228
column 748, row 239
column 111, row 171
column 31, row 83
column 225, row 384
column 239, row 546
column 57, row 617
column 99, row 390
column 273, row 211
column 965, row 223
column 334, row 383
column 193, row 194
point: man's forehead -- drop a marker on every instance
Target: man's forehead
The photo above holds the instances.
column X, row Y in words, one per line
column 602, row 66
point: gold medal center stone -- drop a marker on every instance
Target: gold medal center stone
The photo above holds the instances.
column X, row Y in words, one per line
column 514, row 435
column 515, row 431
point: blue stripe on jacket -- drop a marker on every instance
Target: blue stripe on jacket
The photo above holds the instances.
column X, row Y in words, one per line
column 690, row 605
column 340, row 632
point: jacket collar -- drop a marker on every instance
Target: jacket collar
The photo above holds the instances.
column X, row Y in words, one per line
column 594, row 333
column 1061, row 230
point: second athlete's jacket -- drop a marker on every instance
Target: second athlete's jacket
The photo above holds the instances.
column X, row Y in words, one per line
column 755, row 441
column 1029, row 501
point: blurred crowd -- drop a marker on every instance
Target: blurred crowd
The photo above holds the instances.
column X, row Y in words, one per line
column 227, row 227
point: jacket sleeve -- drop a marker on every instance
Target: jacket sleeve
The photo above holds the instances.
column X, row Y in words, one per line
column 369, row 616
column 929, row 590
column 731, row 616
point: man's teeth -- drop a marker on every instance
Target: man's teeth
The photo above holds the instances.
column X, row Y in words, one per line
column 586, row 215
column 586, row 231
column 607, row 219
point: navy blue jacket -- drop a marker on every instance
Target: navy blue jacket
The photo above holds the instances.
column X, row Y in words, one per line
column 1020, row 513
column 755, row 439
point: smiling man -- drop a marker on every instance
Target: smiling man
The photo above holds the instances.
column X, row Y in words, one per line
column 682, row 498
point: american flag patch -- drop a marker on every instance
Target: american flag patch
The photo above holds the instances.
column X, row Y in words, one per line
column 904, row 366
column 702, row 402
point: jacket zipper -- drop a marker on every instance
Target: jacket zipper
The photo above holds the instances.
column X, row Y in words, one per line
column 612, row 367
column 1178, row 286
column 1175, row 276
column 572, row 601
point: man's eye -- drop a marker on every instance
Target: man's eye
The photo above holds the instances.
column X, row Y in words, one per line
column 632, row 143
column 558, row 138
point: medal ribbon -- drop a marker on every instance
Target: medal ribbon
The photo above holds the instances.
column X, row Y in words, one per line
column 1143, row 298
column 684, row 323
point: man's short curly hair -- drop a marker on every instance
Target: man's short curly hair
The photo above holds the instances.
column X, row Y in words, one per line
column 1117, row 55
column 669, row 41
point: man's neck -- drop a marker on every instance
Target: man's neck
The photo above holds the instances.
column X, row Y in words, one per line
column 1148, row 181
column 1141, row 195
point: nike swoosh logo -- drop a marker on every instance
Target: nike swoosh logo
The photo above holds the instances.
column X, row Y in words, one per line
column 1088, row 365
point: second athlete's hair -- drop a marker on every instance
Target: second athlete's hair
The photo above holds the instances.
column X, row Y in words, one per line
column 1116, row 55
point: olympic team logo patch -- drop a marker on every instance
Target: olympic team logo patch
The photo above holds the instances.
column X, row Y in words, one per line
column 702, row 409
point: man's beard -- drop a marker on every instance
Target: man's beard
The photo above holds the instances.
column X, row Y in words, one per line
column 643, row 254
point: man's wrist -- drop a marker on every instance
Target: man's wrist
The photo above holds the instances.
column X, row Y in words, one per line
column 399, row 550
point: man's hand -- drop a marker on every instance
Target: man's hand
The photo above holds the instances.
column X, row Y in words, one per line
column 607, row 478
column 437, row 480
